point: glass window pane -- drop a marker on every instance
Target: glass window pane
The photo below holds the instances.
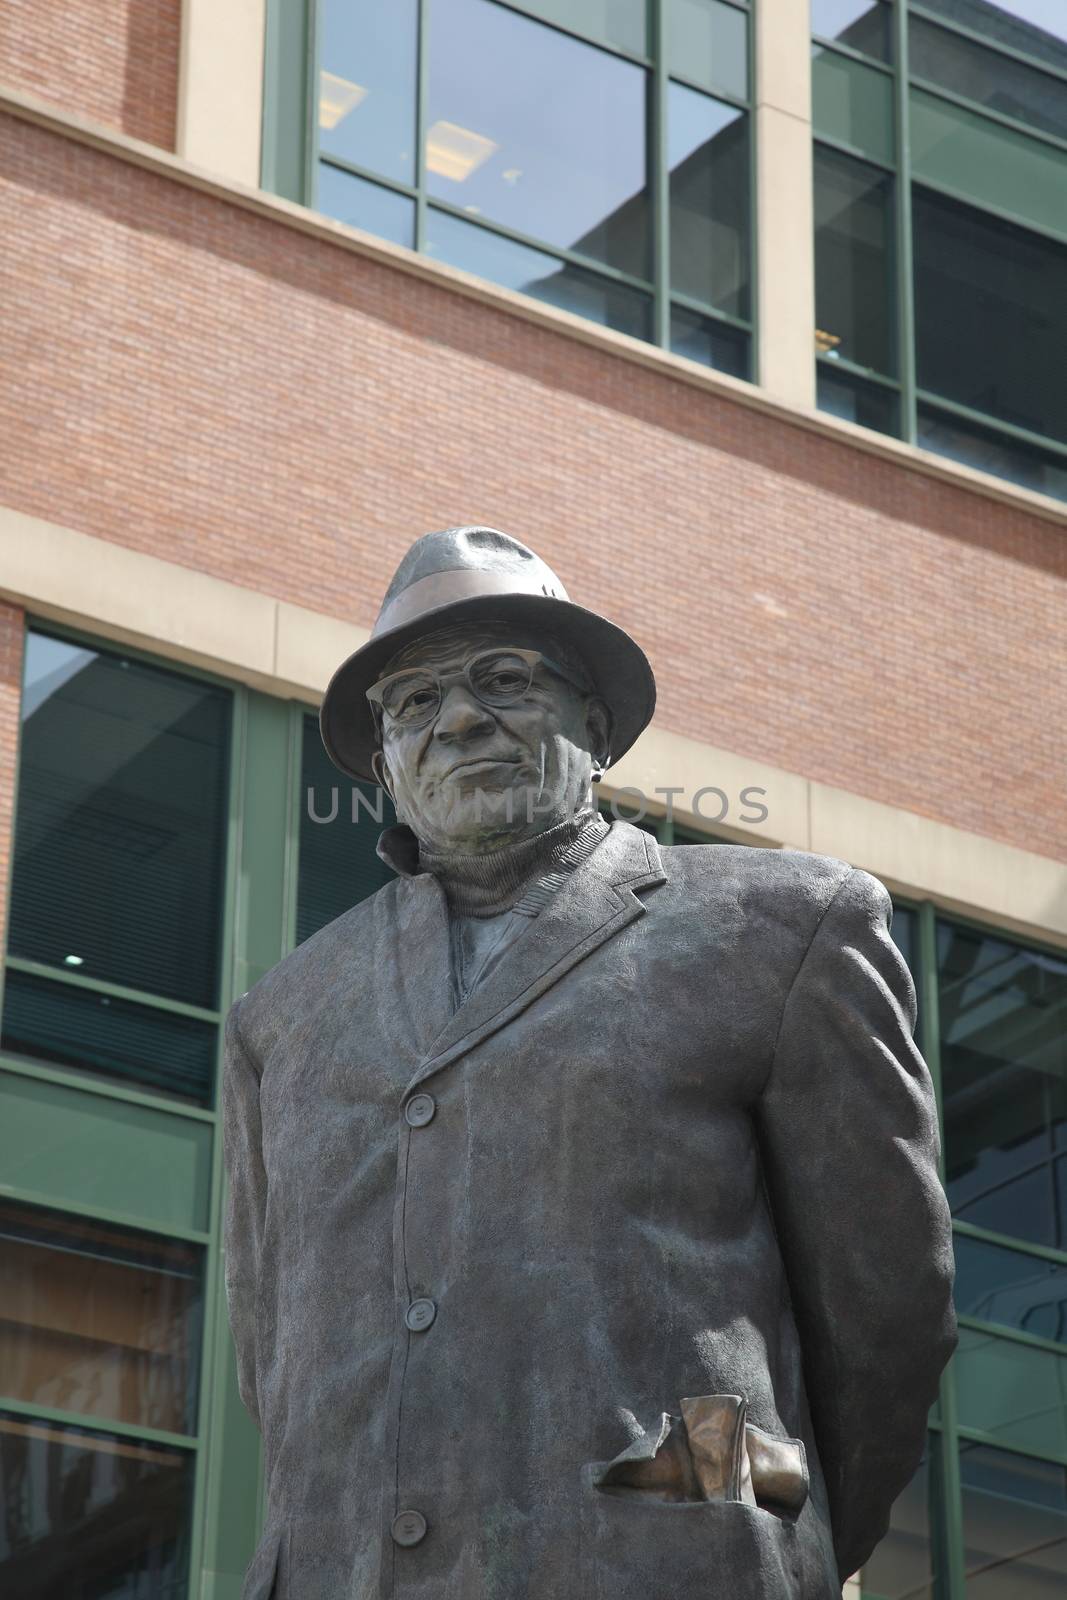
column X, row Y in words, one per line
column 861, row 24
column 1037, row 27
column 91, row 1517
column 338, row 861
column 855, row 400
column 997, row 81
column 117, row 1039
column 1014, row 1525
column 365, row 205
column 996, row 1284
column 905, row 931
column 532, row 272
column 853, row 104
column 1003, row 168
column 98, row 1319
column 712, row 343
column 903, row 1563
column 119, row 851
column 708, row 155
column 367, row 78
column 537, row 131
column 623, row 23
column 989, row 451
column 853, row 261
column 974, row 272
column 1003, row 1074
column 708, row 43
column 1014, row 1391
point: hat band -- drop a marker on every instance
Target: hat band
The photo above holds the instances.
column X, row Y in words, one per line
column 444, row 588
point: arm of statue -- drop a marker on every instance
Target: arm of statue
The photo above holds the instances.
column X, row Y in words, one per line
column 245, row 1203
column 850, row 1146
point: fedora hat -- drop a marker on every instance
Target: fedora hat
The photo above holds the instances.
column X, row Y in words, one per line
column 476, row 574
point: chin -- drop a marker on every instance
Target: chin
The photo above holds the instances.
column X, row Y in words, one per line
column 487, row 818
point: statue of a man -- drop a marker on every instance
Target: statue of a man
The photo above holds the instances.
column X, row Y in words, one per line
column 585, row 1239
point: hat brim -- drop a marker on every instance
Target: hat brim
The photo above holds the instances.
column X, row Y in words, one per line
column 617, row 665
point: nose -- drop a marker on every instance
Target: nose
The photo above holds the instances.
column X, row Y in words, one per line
column 462, row 716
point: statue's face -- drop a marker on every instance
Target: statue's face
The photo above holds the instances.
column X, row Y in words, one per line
column 478, row 776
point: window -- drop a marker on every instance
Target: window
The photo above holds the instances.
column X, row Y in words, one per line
column 1014, row 1525
column 340, row 824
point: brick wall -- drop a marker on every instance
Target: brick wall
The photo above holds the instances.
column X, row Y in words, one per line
column 11, row 637
column 114, row 61
column 221, row 390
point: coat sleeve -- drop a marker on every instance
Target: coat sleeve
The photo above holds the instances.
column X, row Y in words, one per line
column 850, row 1145
column 245, row 1204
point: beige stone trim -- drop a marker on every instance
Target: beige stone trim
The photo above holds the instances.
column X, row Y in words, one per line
column 288, row 650
column 220, row 87
column 785, row 237
column 635, row 351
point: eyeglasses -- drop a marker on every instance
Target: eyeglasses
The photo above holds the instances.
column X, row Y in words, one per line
column 496, row 678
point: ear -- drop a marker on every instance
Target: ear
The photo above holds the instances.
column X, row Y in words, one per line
column 381, row 774
column 598, row 727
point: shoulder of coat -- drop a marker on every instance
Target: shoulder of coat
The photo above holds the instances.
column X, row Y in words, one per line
column 744, row 871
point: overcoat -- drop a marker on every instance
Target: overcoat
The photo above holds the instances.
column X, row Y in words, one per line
column 679, row 1143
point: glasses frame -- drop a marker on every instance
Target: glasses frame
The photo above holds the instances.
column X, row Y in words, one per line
column 532, row 659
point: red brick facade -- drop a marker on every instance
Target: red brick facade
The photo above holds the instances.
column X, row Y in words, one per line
column 114, row 61
column 224, row 391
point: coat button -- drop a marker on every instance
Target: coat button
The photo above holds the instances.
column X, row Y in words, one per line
column 409, row 1527
column 420, row 1110
column 419, row 1315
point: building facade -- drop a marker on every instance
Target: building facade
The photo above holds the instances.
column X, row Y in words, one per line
column 750, row 318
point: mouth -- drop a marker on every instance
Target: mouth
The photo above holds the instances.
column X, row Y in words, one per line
column 480, row 768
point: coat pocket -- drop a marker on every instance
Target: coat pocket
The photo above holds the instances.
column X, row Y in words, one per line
column 265, row 1577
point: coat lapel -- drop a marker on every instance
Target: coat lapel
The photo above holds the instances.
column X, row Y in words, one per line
column 597, row 901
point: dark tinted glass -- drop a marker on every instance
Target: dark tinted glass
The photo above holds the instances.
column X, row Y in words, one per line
column 139, row 1045
column 1014, row 1525
column 119, row 851
column 855, row 400
column 990, row 79
column 903, row 1564
column 1012, row 1391
column 861, row 24
column 989, row 451
column 367, row 84
column 1021, row 1291
column 623, row 23
column 1036, row 27
column 340, row 823
column 366, row 205
column 98, row 1319
column 91, row 1517
column 533, row 272
column 708, row 153
column 707, row 42
column 1004, row 1079
column 991, row 314
column 538, row 131
column 905, row 936
column 712, row 343
column 853, row 261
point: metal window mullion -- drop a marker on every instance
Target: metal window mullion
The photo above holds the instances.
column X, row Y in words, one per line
column 1040, row 1252
column 991, row 424
column 113, row 991
column 853, row 151
column 659, row 173
column 598, row 269
column 905, row 284
column 85, row 1083
column 994, row 1441
column 40, row 1201
column 951, row 25
column 353, row 168
column 95, row 1424
column 702, row 308
column 938, row 91
column 838, row 48
column 422, row 90
column 853, row 370
column 1001, row 1330
column 313, row 36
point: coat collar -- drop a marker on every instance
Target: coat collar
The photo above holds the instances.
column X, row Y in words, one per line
column 598, row 900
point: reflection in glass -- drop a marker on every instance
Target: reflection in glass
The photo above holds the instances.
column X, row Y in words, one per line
column 99, row 1319
column 861, row 24
column 1014, row 1525
column 905, row 931
column 539, row 132
column 903, row 1563
column 853, row 261
column 122, row 810
column 366, row 205
column 973, row 271
column 989, row 451
column 367, row 77
column 853, row 105
column 532, row 272
column 91, row 1517
column 707, row 42
column 1004, row 1079
column 855, row 400
column 1021, row 1291
column 112, row 1038
column 1036, row 27
column 1016, row 1392
column 623, row 23
column 712, row 343
column 338, row 861
column 707, row 152
column 991, row 79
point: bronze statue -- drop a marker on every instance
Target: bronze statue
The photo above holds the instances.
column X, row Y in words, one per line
column 585, row 1239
